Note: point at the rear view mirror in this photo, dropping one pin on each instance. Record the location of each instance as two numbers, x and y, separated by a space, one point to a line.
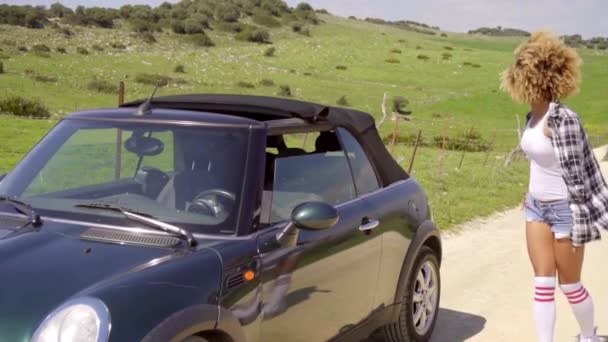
144 146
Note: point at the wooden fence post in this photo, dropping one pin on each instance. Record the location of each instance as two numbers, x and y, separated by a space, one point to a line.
443 145
409 169
121 93
118 162
395 132
490 148
465 148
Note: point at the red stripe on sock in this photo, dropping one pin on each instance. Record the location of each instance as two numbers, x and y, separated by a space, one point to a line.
580 299
575 293
544 300
545 288
543 294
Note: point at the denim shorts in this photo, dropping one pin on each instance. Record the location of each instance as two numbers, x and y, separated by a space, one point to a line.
556 214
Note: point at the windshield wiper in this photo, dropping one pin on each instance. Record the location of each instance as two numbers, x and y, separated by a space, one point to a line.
23 208
144 218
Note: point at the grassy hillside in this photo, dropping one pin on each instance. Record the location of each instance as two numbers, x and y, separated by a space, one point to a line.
342 57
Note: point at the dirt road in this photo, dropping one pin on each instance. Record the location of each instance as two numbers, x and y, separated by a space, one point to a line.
487 290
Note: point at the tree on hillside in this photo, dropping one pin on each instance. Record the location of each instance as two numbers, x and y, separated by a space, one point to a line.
60 11
227 13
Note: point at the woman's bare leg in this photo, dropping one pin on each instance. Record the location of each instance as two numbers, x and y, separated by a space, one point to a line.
541 251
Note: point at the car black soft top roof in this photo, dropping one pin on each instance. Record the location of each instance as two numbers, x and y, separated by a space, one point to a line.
263 108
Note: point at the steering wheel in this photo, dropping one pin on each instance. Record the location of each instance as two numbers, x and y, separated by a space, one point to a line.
213 202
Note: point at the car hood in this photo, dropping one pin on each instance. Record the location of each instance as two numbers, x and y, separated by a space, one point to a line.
40 269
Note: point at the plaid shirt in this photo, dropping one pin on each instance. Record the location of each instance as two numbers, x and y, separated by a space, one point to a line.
587 189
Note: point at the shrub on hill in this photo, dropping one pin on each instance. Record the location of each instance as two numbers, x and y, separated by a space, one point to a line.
20 106
22 49
392 60
399 105
304 6
255 35
147 37
118 46
227 13
178 26
102 86
66 32
471 141
192 26
40 48
61 49
423 57
343 101
82 51
200 40
97 48
179 69
446 56
60 11
153 79
1 68
244 84
267 20
267 83
42 78
341 67
285 91
270 52
395 51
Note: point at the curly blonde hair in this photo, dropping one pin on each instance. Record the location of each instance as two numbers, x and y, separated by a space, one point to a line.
545 69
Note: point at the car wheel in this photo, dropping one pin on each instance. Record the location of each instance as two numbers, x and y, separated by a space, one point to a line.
194 339
419 303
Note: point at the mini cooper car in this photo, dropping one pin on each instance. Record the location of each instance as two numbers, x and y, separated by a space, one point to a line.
215 218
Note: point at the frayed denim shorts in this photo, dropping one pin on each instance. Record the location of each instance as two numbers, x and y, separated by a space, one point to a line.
556 214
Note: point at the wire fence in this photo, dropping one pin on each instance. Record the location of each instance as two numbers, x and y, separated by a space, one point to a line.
462 143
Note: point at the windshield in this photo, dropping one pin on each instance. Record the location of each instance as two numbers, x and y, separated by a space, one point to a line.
185 175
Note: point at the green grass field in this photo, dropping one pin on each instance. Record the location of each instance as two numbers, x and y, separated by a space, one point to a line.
437 90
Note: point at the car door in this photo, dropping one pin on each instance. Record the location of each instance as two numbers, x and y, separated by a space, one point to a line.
324 285
396 208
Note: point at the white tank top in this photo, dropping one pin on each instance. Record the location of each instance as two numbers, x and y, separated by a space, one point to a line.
546 182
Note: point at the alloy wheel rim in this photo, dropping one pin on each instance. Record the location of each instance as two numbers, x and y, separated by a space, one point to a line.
424 298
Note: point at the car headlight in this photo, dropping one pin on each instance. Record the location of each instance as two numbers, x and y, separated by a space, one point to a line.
83 319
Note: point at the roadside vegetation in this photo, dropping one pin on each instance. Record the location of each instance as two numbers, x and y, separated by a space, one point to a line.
56 61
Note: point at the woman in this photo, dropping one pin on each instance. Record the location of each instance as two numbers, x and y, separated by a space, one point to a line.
568 198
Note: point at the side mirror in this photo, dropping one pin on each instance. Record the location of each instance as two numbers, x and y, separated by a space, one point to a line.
314 216
311 216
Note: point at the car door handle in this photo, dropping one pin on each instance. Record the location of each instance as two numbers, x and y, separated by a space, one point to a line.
368 225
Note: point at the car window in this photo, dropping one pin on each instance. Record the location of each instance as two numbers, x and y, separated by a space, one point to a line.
65 170
363 172
312 168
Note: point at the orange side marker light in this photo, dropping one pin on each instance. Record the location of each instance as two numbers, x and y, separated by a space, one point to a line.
249 275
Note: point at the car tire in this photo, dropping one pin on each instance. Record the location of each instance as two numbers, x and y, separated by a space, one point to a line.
418 300
194 339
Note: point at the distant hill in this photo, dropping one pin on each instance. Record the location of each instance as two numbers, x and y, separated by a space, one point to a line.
500 32
249 20
407 25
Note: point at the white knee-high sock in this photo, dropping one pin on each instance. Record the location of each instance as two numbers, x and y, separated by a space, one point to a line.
582 306
544 307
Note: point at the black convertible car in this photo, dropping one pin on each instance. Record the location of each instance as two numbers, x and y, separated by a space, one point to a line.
215 218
